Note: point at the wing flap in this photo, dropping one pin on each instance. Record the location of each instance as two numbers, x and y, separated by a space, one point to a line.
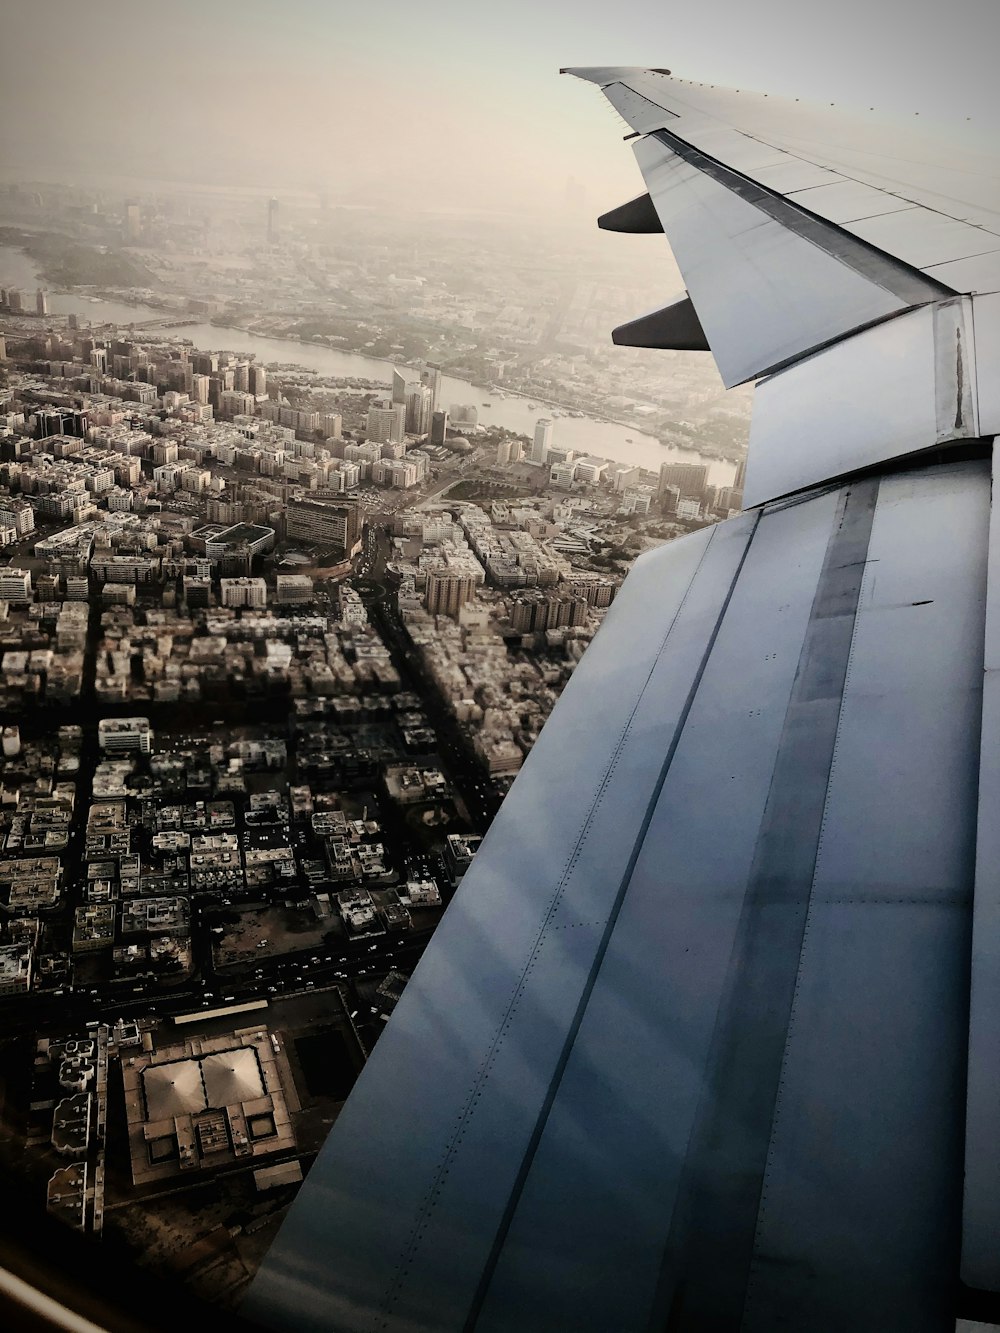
746 269
489 1009
540 1126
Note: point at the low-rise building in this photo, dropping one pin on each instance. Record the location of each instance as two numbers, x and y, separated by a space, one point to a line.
15 968
155 916
94 927
460 848
117 735
71 1125
203 1104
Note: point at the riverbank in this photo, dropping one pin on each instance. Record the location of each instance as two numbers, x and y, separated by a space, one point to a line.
619 442
496 391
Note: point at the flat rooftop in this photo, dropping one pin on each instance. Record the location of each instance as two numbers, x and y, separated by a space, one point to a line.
242 532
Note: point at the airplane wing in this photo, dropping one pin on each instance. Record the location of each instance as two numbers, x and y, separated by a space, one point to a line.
707 1038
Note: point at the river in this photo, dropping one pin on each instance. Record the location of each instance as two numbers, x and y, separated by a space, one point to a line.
587 435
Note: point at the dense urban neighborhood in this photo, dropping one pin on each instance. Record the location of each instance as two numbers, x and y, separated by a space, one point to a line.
275 642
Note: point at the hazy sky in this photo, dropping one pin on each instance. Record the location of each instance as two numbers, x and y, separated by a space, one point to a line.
446 101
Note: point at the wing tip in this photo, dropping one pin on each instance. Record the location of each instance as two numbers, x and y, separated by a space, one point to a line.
602 74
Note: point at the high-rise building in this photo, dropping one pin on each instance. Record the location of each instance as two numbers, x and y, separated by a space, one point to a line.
439 427
326 522
624 477
431 376
199 388
331 424
562 474
590 470
689 478
41 302
272 221
17 514
386 423
542 441
420 462
164 451
451 580
61 421
398 388
533 609
133 221
14 301
503 453
243 592
197 590
418 408
448 589
3 348
293 589
669 497
258 381
233 403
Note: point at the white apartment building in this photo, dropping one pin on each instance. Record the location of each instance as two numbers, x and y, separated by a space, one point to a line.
15 585
244 592
119 735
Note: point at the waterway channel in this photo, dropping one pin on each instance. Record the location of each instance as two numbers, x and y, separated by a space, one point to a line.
587 435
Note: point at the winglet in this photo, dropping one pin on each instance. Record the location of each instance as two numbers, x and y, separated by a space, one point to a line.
602 74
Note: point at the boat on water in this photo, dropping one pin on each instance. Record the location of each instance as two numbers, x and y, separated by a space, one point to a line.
487 404
628 439
532 407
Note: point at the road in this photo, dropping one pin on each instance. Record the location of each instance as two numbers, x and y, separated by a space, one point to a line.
460 766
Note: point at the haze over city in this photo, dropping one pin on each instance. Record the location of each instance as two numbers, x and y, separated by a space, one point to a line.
444 106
